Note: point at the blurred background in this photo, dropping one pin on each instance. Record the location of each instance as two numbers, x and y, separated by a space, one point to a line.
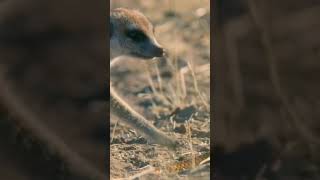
266 89
53 89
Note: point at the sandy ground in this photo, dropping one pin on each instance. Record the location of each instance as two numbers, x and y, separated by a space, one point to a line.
179 108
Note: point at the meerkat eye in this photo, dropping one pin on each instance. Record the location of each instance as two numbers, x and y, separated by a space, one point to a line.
136 35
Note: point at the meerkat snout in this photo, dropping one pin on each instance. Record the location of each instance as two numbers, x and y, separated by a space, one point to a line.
132 34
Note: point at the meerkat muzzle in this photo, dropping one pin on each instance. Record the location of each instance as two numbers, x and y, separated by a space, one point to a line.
159 52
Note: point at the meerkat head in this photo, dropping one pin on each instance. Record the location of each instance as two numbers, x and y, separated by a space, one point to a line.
132 34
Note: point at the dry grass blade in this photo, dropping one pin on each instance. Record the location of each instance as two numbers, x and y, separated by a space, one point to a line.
195 83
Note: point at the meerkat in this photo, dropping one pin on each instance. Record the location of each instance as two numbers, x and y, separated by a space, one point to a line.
132 34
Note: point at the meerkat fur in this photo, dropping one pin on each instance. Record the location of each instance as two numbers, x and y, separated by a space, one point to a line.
132 34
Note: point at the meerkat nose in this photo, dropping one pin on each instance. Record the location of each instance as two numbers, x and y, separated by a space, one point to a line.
162 52
165 53
159 52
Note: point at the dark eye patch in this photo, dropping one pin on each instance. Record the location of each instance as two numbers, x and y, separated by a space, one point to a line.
136 35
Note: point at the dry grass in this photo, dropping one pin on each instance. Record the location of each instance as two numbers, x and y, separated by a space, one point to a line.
174 92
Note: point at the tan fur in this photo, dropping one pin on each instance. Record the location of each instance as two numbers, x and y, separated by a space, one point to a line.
123 19
131 16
